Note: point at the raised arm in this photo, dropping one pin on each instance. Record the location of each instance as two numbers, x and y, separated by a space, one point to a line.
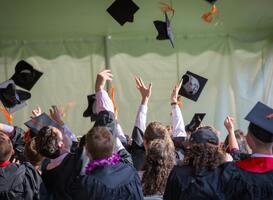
145 93
103 101
177 118
232 142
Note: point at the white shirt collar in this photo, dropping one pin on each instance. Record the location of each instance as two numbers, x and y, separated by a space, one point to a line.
259 155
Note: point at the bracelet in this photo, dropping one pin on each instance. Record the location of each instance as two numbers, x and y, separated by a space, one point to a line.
173 103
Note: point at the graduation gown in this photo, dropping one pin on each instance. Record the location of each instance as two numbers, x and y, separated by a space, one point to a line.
21 182
116 182
249 179
183 183
59 179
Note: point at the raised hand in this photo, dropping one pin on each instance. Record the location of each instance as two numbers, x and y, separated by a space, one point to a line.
174 95
144 91
102 77
36 111
55 114
229 124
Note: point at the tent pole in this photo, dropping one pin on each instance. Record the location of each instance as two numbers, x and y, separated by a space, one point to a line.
107 40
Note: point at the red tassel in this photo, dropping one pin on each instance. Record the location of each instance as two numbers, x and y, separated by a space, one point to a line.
208 17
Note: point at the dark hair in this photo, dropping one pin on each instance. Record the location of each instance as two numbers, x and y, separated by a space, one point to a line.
159 162
203 155
47 142
155 130
5 147
99 143
31 154
241 140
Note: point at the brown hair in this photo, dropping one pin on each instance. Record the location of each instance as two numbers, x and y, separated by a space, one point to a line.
31 154
5 147
159 162
155 130
99 143
203 155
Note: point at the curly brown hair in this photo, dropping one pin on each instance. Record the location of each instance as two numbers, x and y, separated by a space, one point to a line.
203 156
159 162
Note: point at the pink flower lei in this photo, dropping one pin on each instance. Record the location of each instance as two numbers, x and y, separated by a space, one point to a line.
112 160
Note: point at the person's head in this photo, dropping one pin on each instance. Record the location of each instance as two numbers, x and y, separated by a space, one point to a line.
203 151
50 142
259 140
99 143
31 154
6 149
160 160
155 130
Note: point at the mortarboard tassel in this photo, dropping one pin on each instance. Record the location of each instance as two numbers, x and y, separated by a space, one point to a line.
7 115
208 17
111 93
166 8
65 108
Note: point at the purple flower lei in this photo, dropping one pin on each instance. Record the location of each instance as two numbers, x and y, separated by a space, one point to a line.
112 160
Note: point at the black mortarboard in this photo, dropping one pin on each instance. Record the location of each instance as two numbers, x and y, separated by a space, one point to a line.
43 120
164 30
91 109
192 85
11 98
261 122
123 11
203 135
107 119
25 75
211 1
195 122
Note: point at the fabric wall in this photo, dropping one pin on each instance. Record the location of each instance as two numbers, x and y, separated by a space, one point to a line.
240 74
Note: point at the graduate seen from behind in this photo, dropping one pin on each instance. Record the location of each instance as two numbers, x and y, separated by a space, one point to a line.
196 177
252 178
107 176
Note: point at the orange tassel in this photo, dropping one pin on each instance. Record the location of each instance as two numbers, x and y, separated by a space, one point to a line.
7 115
111 93
208 17
166 8
65 108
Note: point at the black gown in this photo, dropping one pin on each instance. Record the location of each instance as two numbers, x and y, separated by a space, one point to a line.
249 179
21 182
183 183
59 179
116 182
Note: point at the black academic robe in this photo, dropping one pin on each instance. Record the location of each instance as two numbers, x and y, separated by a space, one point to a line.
21 182
249 179
183 183
18 144
59 179
116 182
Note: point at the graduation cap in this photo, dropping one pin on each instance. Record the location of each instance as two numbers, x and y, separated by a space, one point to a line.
91 109
195 122
11 98
43 120
164 30
123 11
25 75
192 85
203 135
211 1
261 122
